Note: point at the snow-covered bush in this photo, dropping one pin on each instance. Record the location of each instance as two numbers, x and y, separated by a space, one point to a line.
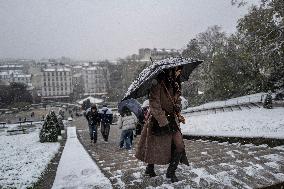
49 132
54 119
268 101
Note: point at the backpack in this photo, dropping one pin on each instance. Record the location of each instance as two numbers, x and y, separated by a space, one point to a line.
105 117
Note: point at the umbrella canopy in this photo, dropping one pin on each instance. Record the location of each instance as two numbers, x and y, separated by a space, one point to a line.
141 85
93 100
133 105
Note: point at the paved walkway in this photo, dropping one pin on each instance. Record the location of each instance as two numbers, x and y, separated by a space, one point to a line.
212 164
76 169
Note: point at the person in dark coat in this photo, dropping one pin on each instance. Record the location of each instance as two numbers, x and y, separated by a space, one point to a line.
106 116
93 119
161 139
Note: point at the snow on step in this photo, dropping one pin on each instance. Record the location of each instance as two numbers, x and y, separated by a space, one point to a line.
76 168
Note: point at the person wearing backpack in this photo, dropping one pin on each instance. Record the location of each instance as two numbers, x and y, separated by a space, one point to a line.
127 122
106 117
93 119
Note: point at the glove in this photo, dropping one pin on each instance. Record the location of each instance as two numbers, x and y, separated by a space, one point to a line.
181 119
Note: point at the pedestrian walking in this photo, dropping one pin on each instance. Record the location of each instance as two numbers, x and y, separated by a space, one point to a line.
126 122
93 119
106 116
161 139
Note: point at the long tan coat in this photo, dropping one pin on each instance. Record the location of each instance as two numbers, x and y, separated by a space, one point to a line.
154 149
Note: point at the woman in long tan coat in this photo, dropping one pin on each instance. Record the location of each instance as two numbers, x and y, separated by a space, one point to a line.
161 139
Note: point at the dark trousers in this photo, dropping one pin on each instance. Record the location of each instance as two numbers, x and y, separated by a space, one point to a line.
105 127
93 131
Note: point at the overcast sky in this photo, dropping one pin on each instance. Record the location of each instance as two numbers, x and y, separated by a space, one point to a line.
106 29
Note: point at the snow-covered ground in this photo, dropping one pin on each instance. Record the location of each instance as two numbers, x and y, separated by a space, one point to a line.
257 122
76 169
234 101
23 159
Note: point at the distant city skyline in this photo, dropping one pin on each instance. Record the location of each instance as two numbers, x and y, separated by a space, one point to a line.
97 30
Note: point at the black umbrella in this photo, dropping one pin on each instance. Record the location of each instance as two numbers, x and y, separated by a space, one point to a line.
142 84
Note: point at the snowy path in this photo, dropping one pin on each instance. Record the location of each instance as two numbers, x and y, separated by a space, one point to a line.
76 168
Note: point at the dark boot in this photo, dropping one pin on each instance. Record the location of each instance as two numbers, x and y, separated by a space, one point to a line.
171 171
150 170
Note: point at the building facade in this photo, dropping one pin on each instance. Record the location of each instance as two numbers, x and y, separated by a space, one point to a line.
157 54
56 83
15 75
95 79
12 67
22 78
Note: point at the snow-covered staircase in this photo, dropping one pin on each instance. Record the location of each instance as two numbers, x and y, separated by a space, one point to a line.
227 108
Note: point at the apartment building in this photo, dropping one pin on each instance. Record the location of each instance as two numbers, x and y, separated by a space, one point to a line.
15 75
95 79
157 54
56 83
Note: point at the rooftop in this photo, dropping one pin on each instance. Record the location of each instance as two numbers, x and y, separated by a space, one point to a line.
57 70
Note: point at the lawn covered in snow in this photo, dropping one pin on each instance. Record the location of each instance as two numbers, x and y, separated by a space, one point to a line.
23 159
257 122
